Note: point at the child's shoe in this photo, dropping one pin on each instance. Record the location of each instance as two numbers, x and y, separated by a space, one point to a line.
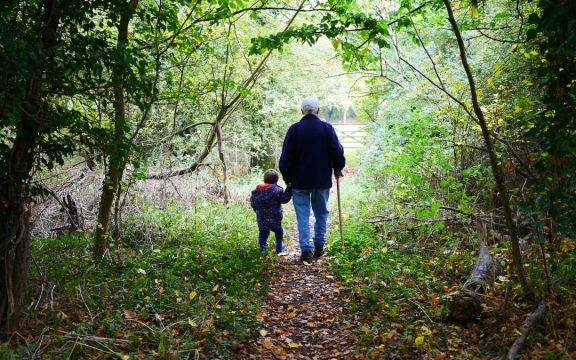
280 247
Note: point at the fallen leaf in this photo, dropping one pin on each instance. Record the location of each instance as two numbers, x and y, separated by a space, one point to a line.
419 340
129 314
192 295
267 343
61 315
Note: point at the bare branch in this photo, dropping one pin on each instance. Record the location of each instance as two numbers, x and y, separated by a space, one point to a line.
458 101
427 53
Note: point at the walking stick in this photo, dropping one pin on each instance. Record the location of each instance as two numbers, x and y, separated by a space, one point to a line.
339 210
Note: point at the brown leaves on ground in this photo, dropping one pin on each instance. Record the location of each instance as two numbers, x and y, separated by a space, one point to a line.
305 316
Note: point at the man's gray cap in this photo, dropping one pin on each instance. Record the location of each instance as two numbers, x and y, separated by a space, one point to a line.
309 104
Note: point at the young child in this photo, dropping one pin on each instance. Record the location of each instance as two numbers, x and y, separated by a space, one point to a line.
266 201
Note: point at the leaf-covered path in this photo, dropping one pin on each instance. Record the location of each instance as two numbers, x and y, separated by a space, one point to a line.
305 316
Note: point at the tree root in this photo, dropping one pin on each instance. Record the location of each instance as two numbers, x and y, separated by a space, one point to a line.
531 320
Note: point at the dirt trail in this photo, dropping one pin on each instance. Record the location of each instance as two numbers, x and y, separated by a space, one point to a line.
305 317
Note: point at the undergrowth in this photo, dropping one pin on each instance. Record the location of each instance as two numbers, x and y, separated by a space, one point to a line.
182 283
400 282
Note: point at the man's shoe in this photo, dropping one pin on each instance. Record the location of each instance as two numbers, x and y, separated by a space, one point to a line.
306 256
318 251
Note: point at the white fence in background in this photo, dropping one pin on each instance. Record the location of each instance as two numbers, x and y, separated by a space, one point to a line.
352 136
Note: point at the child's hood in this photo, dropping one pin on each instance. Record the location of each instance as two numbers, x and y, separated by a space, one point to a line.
264 186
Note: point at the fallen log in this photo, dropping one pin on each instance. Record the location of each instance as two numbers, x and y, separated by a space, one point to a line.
467 303
531 320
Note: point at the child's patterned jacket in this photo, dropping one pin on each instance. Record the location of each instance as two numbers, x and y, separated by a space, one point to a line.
266 201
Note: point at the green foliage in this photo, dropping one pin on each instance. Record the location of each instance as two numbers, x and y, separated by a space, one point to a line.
411 165
60 128
552 128
345 23
395 279
197 284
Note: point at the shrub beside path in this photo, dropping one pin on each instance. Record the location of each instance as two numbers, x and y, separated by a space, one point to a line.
305 316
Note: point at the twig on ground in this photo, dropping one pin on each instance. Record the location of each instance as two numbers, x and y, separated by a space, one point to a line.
73 348
84 302
107 350
98 339
421 309
379 219
432 229
39 297
52 297
39 344
143 324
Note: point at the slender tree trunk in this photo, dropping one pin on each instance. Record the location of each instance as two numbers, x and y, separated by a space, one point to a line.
223 160
118 149
14 187
497 172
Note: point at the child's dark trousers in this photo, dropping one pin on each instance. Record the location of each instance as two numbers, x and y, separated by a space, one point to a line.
263 239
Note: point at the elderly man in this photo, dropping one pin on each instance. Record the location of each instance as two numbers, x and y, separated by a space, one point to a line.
311 152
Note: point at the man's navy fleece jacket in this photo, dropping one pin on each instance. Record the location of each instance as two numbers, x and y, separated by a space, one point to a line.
310 152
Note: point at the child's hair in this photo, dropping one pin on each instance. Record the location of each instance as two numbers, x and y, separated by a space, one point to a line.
271 176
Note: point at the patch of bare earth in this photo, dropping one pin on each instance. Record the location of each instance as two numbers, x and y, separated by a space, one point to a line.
305 317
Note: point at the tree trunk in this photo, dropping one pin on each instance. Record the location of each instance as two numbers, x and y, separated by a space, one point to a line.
118 149
15 191
223 160
497 172
467 303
